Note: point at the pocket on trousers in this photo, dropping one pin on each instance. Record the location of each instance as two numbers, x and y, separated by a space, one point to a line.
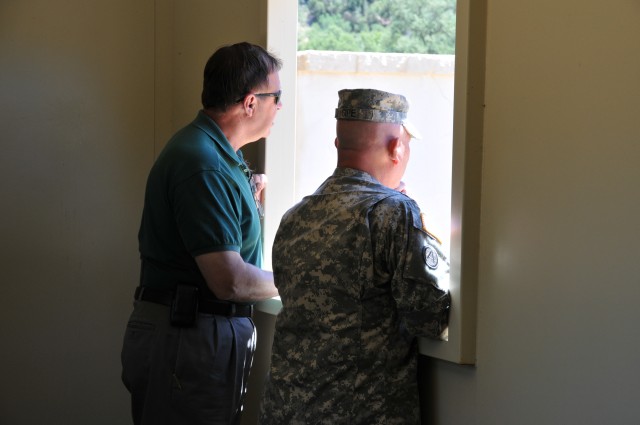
136 354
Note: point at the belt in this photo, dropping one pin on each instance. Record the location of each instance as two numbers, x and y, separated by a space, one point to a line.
219 308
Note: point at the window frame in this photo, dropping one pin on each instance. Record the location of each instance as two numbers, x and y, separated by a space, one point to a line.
282 16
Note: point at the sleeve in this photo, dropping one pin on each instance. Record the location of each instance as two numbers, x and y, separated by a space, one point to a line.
208 212
418 268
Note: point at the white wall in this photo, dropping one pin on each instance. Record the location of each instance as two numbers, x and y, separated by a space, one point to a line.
559 273
427 82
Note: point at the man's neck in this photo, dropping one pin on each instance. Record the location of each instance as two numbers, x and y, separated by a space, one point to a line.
230 125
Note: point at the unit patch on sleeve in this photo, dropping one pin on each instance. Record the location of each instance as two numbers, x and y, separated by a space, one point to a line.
430 257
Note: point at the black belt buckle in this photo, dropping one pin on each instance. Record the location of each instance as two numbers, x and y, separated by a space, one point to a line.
241 310
226 309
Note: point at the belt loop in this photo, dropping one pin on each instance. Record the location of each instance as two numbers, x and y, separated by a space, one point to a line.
233 310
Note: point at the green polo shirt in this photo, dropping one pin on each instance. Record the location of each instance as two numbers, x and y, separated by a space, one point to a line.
197 200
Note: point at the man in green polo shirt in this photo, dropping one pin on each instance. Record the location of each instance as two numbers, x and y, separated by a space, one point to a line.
189 342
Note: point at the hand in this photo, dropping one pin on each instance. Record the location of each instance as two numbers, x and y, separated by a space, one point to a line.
260 181
402 188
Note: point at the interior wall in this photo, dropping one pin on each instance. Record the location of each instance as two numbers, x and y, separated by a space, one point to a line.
559 286
76 112
85 102
89 94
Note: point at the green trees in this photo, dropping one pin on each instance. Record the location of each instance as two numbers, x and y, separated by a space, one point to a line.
395 26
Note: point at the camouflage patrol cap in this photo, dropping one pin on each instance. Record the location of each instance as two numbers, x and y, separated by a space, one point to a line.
375 106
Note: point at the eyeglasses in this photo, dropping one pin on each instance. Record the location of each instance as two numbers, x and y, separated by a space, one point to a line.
275 95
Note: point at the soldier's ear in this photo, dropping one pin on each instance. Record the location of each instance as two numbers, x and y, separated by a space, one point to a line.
395 149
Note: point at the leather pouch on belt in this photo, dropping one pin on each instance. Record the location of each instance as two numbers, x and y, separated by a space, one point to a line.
184 308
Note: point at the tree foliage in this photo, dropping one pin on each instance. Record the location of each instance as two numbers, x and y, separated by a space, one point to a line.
395 26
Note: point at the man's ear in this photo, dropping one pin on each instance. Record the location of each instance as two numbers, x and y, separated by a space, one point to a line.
395 149
249 104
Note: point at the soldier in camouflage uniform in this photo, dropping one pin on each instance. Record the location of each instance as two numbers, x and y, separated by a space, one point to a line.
359 281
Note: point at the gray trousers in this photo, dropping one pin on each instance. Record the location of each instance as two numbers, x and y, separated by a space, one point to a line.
193 376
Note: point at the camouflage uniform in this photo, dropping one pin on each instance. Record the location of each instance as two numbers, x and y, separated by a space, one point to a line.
358 277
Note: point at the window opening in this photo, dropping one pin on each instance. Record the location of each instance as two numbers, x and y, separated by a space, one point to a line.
308 108
404 47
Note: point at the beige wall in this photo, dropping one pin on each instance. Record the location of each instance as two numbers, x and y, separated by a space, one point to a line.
559 272
89 92
76 96
82 118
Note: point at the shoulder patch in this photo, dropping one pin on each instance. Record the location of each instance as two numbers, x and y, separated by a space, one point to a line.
430 257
